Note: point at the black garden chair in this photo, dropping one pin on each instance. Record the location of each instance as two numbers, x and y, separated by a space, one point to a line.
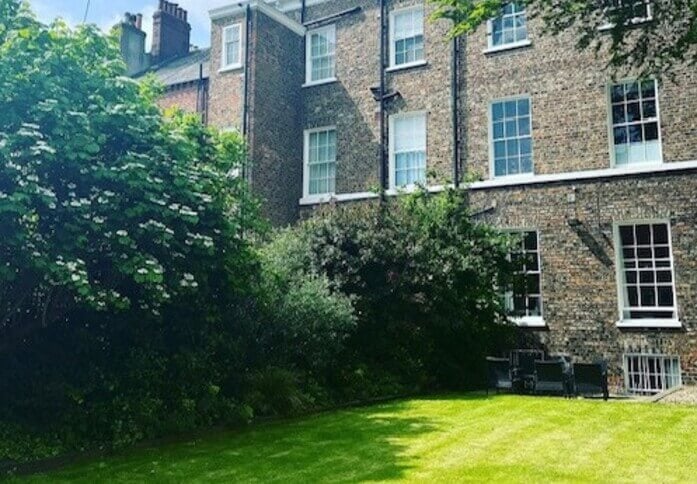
591 379
523 363
499 374
551 377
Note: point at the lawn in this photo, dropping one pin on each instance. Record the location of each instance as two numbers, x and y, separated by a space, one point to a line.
444 439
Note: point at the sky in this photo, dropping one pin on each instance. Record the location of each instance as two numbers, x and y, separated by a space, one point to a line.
106 13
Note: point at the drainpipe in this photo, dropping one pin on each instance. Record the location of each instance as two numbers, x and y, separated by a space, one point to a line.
246 173
454 95
383 128
245 93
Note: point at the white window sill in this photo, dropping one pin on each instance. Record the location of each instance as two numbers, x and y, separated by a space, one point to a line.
409 65
232 67
635 21
320 83
505 47
395 191
640 169
530 322
649 323
515 178
635 166
340 197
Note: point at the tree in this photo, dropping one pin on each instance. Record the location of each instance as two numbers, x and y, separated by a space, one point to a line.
424 281
104 202
649 36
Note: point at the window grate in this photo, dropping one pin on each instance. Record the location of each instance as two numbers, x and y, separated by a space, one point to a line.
648 374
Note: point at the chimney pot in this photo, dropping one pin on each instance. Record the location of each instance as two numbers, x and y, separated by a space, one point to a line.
162 5
139 21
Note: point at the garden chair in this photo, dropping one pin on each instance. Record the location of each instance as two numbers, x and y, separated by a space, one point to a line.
499 373
591 379
551 377
524 368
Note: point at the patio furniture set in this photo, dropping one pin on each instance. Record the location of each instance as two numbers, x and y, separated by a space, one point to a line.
531 371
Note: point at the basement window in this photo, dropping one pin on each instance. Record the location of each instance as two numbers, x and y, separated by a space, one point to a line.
320 161
646 276
407 150
320 57
407 37
648 374
636 136
232 47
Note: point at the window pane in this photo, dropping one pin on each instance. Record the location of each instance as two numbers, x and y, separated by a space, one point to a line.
321 161
513 142
510 26
634 127
408 39
523 298
648 284
409 147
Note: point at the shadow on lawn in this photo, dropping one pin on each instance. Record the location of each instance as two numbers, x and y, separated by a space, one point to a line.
362 444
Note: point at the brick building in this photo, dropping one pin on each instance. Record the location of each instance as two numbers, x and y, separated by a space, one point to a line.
182 70
340 97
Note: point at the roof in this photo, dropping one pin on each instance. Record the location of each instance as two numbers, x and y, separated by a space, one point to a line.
183 69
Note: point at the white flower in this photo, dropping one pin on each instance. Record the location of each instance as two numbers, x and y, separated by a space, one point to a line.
122 233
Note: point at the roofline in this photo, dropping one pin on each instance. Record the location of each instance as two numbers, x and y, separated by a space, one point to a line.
261 6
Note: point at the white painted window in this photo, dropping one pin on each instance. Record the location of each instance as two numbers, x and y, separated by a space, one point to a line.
320 161
646 374
524 299
511 137
645 274
232 47
510 28
636 136
407 36
634 11
320 54
407 149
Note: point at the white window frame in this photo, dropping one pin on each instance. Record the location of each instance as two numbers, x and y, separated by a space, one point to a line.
331 31
306 162
530 321
393 54
492 157
224 66
642 361
619 277
392 148
611 125
511 45
635 20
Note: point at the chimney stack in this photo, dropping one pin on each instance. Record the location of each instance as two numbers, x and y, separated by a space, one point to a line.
133 43
171 32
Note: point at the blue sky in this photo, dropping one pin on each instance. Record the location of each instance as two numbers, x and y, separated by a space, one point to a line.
106 13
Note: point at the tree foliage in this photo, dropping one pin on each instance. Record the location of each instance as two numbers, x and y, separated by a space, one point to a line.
103 202
651 46
423 279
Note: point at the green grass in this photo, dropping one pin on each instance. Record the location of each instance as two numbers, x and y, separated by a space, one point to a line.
446 439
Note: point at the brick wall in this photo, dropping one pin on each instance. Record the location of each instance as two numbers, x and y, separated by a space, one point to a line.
349 105
226 88
185 98
579 287
276 137
568 89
